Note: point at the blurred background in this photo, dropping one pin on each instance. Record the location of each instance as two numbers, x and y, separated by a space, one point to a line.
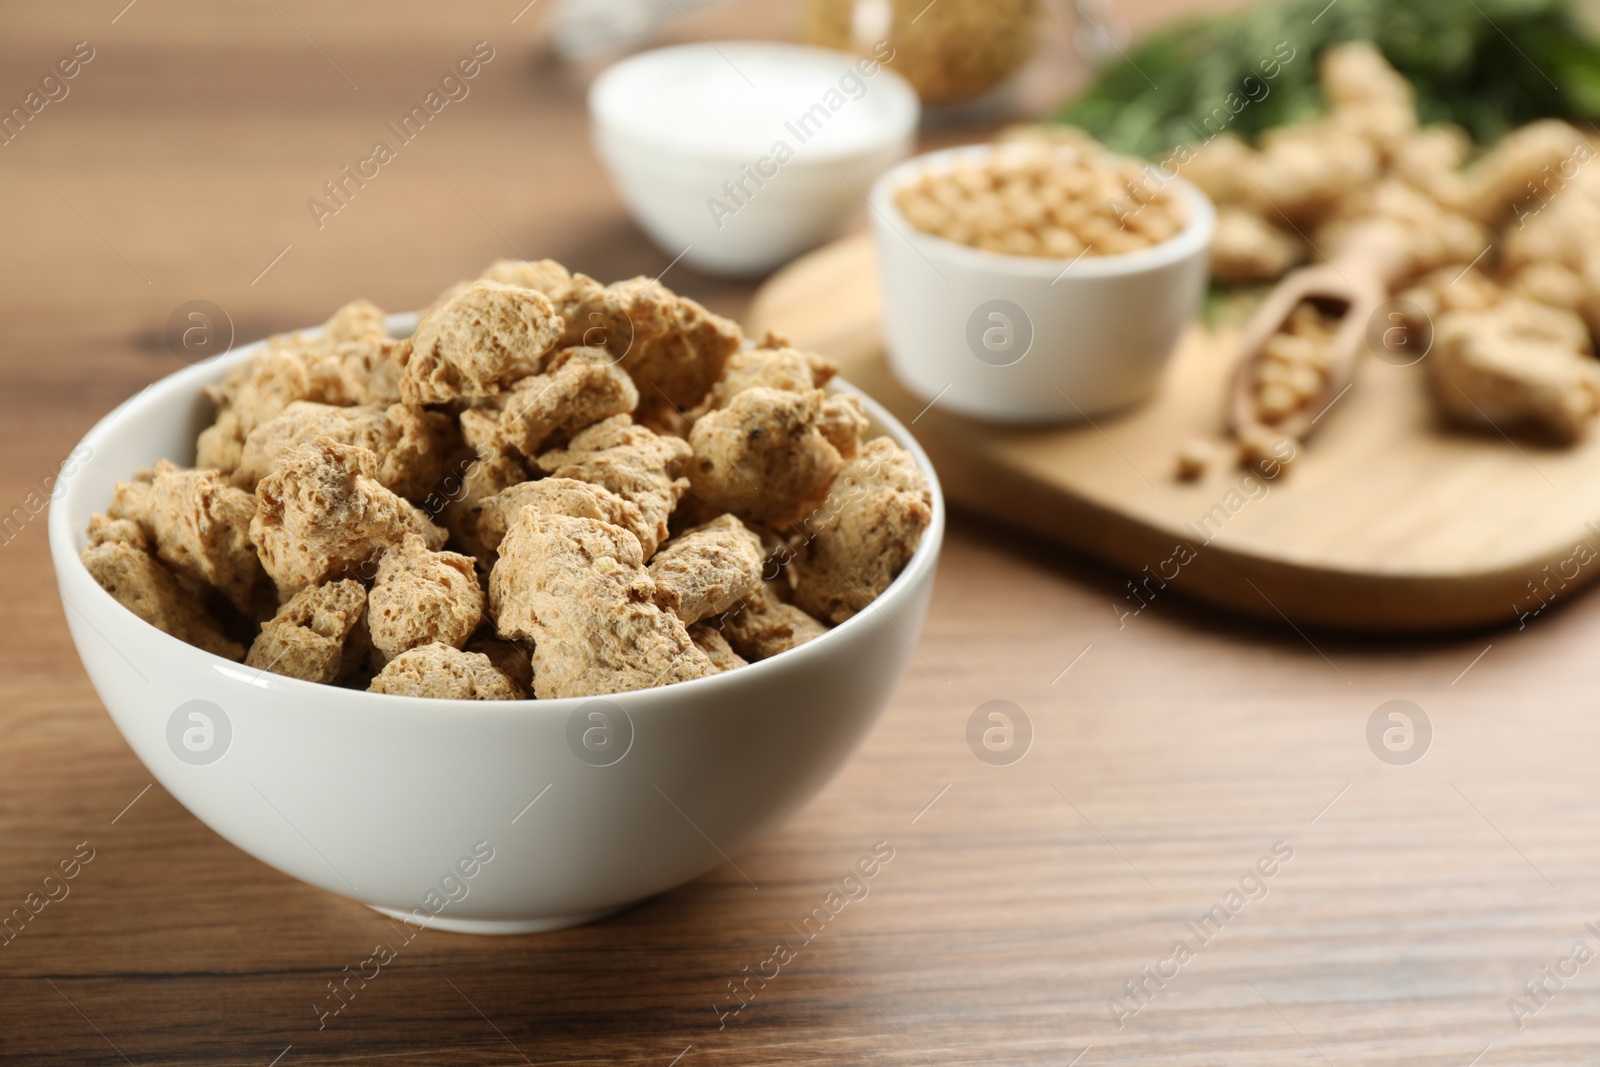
180 164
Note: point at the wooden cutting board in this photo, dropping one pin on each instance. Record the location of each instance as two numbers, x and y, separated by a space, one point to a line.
1388 522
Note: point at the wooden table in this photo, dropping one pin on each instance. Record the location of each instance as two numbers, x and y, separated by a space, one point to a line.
1169 754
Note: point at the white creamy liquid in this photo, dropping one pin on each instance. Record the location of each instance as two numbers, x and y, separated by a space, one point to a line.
740 101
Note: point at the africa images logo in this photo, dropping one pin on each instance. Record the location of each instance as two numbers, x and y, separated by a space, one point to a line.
199 732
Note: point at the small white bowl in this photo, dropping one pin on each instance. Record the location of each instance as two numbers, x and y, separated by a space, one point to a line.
675 124
390 800
1023 339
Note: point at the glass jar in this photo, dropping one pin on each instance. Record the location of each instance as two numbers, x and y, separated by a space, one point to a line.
951 51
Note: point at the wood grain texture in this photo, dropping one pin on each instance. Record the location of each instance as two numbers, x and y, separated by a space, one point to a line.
1388 522
1167 754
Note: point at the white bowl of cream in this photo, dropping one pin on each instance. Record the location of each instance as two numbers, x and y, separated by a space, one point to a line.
738 156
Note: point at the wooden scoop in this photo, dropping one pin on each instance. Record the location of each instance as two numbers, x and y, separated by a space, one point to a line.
1350 284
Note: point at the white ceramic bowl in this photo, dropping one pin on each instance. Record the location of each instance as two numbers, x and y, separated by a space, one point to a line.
379 798
673 125
1024 339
